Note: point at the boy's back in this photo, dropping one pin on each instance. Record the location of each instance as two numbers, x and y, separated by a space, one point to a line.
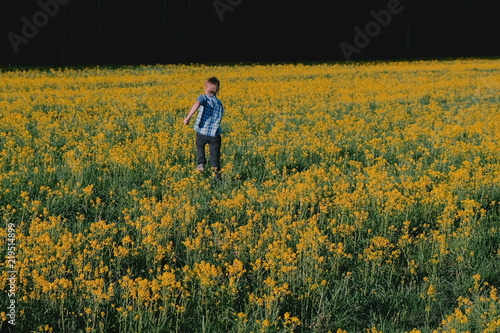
210 114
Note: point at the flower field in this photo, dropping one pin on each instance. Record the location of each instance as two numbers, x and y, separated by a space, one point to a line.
357 197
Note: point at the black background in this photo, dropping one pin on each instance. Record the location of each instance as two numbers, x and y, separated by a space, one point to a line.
86 32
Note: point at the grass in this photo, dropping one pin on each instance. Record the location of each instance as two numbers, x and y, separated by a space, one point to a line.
360 197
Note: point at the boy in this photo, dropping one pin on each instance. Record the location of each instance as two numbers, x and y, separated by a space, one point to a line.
207 125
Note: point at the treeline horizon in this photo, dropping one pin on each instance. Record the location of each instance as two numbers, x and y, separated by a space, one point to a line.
78 32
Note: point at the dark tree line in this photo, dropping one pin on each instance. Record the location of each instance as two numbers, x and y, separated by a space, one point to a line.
71 32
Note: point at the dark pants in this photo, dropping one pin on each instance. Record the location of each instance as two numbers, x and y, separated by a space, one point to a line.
214 144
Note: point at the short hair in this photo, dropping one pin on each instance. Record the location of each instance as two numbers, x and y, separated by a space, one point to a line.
213 84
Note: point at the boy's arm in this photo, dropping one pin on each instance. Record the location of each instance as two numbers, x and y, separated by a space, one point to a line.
195 107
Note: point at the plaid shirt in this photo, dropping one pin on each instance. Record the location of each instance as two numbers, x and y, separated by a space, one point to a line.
209 116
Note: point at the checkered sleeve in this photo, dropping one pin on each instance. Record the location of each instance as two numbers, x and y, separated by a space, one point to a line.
203 100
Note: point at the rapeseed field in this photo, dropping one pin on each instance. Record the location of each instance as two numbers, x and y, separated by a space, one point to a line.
358 197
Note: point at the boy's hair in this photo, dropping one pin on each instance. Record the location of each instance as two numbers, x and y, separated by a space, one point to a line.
213 85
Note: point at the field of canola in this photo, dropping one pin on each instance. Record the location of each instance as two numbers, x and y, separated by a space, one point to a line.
354 198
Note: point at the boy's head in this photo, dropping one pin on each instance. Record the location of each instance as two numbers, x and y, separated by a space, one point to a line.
212 86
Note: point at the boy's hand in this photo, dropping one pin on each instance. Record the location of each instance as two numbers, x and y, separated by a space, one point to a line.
186 121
